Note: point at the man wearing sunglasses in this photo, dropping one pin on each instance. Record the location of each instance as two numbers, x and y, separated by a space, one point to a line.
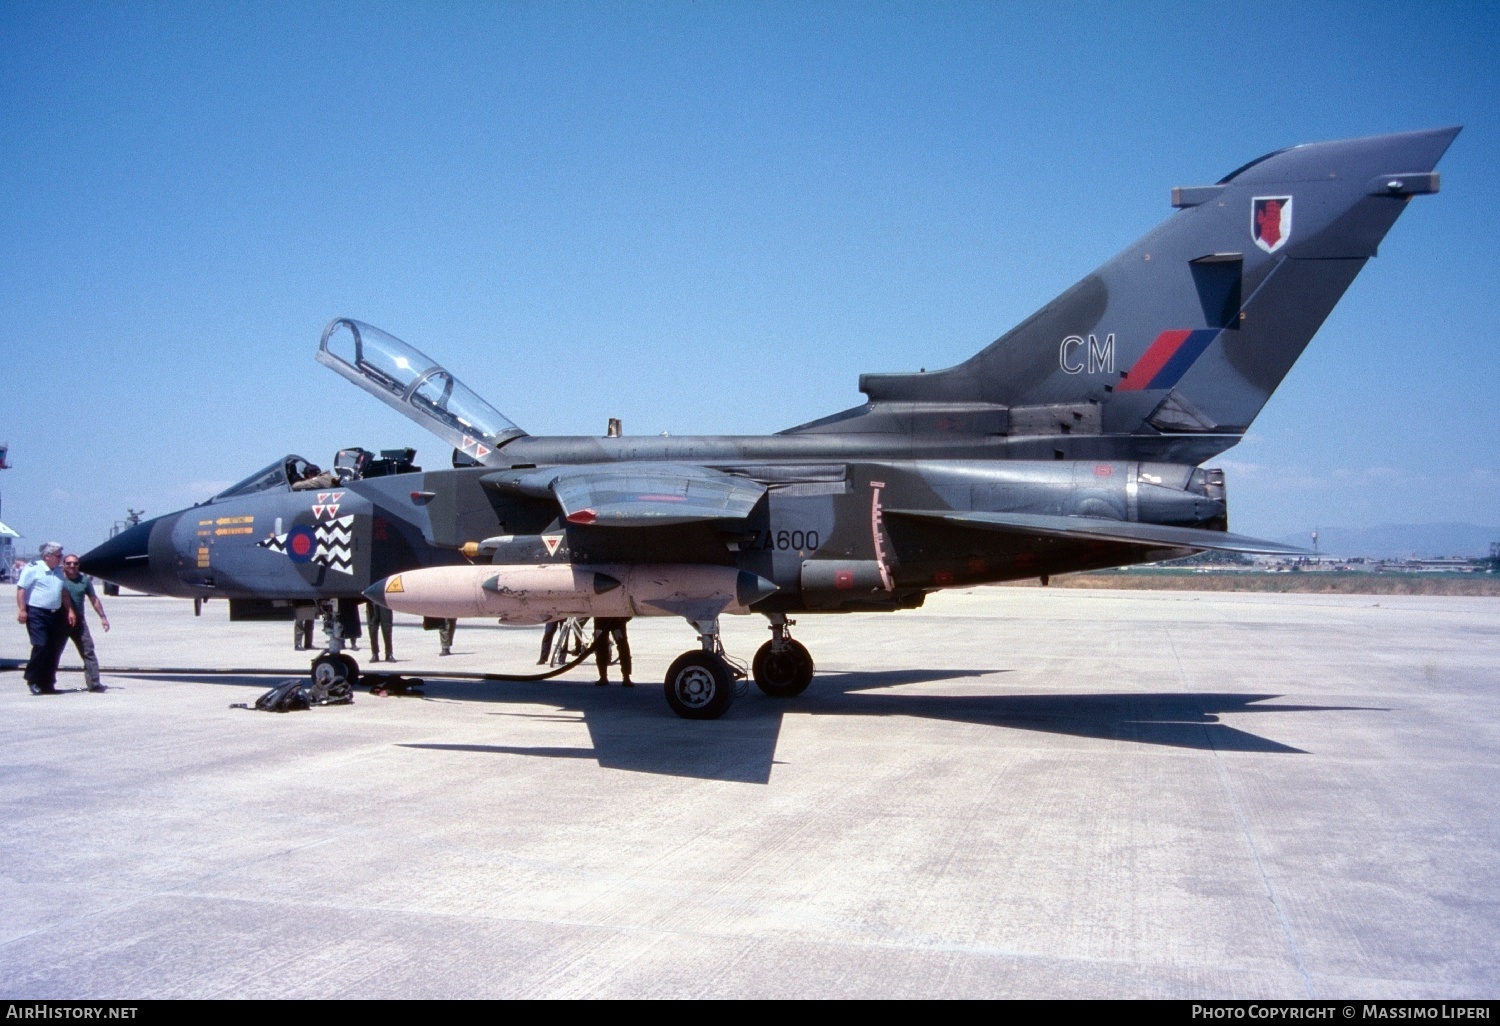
42 604
80 586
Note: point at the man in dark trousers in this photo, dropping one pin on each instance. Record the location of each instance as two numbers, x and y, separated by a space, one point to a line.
42 604
81 593
606 627
378 620
348 612
302 634
548 633
445 629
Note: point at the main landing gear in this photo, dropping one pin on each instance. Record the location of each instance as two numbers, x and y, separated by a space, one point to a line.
334 672
703 684
783 668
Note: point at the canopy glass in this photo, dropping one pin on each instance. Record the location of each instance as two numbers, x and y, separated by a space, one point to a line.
413 383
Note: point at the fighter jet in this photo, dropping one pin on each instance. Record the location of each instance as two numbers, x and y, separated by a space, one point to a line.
1073 442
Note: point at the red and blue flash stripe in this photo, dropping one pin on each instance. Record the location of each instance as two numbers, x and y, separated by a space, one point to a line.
1167 359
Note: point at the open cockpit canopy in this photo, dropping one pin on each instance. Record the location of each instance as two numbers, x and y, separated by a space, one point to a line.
414 384
278 475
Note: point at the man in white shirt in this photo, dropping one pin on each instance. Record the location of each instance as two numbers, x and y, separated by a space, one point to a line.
42 604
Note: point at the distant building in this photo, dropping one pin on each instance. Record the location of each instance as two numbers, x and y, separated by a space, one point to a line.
7 553
1448 563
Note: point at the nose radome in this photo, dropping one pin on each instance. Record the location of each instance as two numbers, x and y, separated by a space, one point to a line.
125 559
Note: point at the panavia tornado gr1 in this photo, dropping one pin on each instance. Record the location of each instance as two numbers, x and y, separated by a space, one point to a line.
1074 442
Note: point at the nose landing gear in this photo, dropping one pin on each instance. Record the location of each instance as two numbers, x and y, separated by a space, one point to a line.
334 671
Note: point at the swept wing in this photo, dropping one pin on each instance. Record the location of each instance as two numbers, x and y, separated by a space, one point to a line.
635 494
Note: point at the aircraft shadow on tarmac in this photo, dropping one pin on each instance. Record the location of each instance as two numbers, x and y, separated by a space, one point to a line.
634 730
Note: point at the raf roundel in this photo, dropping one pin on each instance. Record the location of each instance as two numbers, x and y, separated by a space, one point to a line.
301 544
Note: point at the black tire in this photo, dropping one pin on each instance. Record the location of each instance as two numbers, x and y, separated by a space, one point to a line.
699 686
783 674
328 668
351 668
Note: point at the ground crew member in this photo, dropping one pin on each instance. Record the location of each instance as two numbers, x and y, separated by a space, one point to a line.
606 627
348 614
80 586
445 629
379 620
548 633
302 634
42 604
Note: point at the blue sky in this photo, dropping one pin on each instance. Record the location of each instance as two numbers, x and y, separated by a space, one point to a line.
698 217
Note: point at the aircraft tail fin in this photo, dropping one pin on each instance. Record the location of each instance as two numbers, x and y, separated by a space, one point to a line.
1191 328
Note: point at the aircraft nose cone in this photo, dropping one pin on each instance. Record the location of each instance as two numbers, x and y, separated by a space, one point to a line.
751 588
376 592
124 560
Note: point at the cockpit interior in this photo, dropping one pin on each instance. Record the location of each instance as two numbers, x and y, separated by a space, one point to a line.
351 464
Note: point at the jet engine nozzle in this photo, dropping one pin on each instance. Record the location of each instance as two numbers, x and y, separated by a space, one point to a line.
1176 494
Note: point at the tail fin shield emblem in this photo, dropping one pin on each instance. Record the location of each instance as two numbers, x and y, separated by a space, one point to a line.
1271 221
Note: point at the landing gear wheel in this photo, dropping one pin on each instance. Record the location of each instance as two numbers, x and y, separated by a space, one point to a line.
699 686
328 669
783 674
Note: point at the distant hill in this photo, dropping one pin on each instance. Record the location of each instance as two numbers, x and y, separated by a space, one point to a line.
1395 541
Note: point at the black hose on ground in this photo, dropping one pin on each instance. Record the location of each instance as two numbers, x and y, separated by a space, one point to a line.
242 671
525 677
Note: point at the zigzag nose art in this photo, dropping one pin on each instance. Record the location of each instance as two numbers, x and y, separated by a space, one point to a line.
329 543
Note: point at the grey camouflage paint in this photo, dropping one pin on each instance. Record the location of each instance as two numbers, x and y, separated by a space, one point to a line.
1010 465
